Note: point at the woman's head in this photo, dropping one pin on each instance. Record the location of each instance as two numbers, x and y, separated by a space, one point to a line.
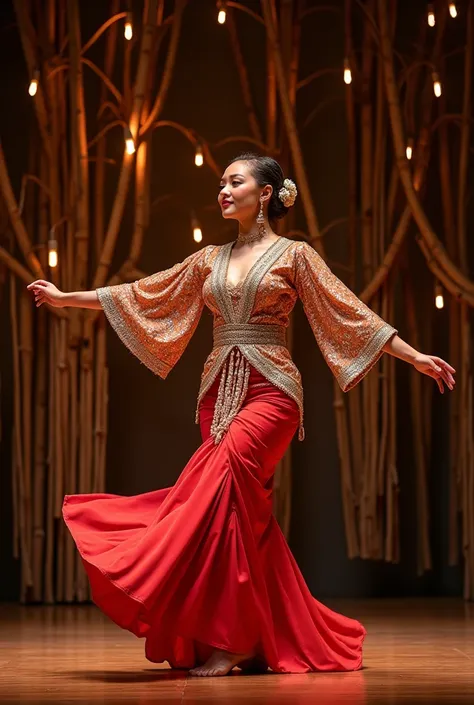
248 180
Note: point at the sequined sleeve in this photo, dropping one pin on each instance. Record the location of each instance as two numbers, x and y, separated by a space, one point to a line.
156 316
350 335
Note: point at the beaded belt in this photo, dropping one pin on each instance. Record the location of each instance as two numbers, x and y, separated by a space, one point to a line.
235 373
249 334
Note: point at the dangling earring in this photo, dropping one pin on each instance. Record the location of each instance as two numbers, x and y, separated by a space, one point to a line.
261 221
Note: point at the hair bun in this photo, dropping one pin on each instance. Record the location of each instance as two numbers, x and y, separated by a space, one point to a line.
287 194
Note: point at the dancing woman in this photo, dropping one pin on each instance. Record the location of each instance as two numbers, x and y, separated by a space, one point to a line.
201 569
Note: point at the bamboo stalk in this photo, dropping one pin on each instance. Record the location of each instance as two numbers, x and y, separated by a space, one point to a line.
167 73
424 552
291 129
366 148
79 151
28 40
243 77
26 572
49 552
109 61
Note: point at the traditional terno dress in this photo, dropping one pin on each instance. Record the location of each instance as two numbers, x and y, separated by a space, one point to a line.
203 563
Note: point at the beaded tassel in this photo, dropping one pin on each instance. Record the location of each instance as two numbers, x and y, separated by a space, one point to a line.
233 387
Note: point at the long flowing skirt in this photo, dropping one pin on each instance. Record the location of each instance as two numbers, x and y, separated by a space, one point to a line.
204 564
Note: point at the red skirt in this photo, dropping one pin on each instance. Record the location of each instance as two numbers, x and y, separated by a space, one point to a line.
204 563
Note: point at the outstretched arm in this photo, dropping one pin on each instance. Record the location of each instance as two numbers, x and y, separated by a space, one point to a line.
430 365
47 293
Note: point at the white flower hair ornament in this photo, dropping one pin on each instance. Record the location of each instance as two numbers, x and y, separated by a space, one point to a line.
287 194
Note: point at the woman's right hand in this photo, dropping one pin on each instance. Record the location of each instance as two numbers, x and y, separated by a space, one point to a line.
46 293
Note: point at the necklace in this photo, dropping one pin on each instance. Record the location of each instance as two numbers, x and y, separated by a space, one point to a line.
251 236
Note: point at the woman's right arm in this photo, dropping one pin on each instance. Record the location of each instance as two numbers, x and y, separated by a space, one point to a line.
47 293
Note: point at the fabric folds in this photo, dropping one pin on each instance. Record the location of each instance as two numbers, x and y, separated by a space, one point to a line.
204 563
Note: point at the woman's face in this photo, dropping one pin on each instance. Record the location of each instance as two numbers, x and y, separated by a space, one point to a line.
239 193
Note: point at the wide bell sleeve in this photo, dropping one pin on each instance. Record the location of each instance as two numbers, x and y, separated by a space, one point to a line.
156 316
349 334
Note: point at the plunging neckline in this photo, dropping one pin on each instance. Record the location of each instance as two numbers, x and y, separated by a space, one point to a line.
242 283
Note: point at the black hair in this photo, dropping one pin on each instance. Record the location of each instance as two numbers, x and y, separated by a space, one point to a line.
266 170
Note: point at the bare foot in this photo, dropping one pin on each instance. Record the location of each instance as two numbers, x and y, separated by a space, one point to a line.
220 663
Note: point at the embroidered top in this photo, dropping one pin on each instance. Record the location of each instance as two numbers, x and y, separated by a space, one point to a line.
156 316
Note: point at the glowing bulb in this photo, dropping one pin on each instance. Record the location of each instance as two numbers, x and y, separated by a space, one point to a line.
199 157
347 72
436 84
52 253
128 29
452 10
129 143
33 87
439 298
221 17
431 16
409 149
197 231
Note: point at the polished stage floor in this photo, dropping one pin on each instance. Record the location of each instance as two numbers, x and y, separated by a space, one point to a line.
417 651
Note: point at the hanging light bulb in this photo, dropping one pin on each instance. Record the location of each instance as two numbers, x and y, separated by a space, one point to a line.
431 15
128 28
33 87
199 157
197 231
129 143
53 253
347 72
409 150
221 17
436 84
439 298
452 10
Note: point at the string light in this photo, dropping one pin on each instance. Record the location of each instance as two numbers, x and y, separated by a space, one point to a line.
129 143
439 298
53 253
199 157
436 84
33 87
452 10
347 72
431 16
128 29
197 231
222 16
409 150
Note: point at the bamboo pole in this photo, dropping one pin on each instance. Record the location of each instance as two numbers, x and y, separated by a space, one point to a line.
243 77
23 492
28 40
109 61
291 129
167 73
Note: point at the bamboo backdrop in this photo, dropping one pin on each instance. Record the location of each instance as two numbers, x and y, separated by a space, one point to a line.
60 366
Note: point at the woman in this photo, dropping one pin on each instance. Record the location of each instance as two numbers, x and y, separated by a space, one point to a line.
202 569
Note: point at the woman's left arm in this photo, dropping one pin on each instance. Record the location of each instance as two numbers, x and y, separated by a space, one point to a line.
430 365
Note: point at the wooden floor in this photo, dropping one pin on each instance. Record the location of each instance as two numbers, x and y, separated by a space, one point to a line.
416 652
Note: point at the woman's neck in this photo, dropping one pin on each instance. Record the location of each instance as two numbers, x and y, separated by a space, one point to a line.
253 232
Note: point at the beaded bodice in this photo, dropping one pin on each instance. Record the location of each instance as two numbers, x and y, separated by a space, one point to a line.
156 316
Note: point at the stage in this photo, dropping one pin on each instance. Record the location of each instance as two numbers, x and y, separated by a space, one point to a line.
416 651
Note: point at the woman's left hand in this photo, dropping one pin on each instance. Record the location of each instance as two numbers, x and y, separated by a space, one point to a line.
436 368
